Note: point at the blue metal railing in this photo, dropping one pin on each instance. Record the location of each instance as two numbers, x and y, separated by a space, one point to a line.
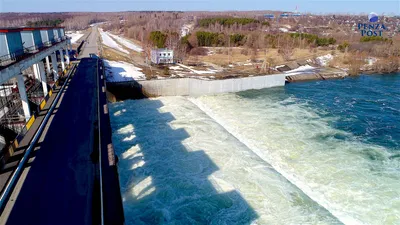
15 56
17 172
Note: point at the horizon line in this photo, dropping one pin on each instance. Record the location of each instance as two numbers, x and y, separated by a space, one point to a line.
184 11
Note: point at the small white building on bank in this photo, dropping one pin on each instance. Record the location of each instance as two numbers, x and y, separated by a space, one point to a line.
162 56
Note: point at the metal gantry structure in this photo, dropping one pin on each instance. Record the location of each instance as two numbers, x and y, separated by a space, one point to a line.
31 61
107 206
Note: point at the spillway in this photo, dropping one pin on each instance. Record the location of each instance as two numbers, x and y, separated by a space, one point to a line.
256 157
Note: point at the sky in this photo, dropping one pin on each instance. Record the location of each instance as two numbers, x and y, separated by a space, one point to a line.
388 7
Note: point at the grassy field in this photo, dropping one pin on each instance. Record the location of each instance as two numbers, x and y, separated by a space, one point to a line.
114 55
220 55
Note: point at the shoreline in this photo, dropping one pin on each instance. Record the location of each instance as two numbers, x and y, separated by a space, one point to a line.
120 91
331 76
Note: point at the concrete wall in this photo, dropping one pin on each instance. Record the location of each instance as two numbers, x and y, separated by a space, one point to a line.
196 87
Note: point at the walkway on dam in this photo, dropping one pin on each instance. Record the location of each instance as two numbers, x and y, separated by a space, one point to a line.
57 187
60 184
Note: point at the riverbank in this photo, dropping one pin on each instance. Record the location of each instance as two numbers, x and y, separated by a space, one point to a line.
138 89
325 65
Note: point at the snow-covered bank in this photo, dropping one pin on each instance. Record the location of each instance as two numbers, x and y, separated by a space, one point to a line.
127 43
74 35
107 40
301 70
324 60
209 71
122 71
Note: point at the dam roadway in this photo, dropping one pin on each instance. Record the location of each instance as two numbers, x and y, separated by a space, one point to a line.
61 182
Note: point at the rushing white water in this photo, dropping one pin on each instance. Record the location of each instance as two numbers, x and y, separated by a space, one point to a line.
358 183
179 166
229 159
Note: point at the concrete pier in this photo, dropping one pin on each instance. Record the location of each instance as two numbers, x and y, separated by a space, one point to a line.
24 97
48 65
55 65
43 78
62 60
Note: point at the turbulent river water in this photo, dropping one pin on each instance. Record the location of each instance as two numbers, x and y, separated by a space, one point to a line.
324 152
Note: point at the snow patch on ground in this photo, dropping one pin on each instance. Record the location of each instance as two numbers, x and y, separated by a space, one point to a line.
186 28
301 70
107 40
74 35
175 68
127 43
209 71
371 61
324 60
96 24
122 71
283 30
280 66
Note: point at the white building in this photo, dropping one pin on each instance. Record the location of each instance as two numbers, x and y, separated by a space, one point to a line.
162 56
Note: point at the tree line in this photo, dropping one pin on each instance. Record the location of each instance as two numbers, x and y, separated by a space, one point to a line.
45 23
228 21
158 38
208 39
314 39
374 38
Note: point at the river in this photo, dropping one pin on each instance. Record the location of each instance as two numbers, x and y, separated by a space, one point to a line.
323 152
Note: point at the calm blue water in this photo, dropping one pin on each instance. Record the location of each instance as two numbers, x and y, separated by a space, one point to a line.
367 106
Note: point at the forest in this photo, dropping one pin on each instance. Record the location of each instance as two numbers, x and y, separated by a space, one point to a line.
45 23
226 21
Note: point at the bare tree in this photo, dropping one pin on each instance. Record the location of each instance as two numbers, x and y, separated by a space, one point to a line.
286 50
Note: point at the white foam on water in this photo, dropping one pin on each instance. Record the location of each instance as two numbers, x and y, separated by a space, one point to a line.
357 182
178 166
